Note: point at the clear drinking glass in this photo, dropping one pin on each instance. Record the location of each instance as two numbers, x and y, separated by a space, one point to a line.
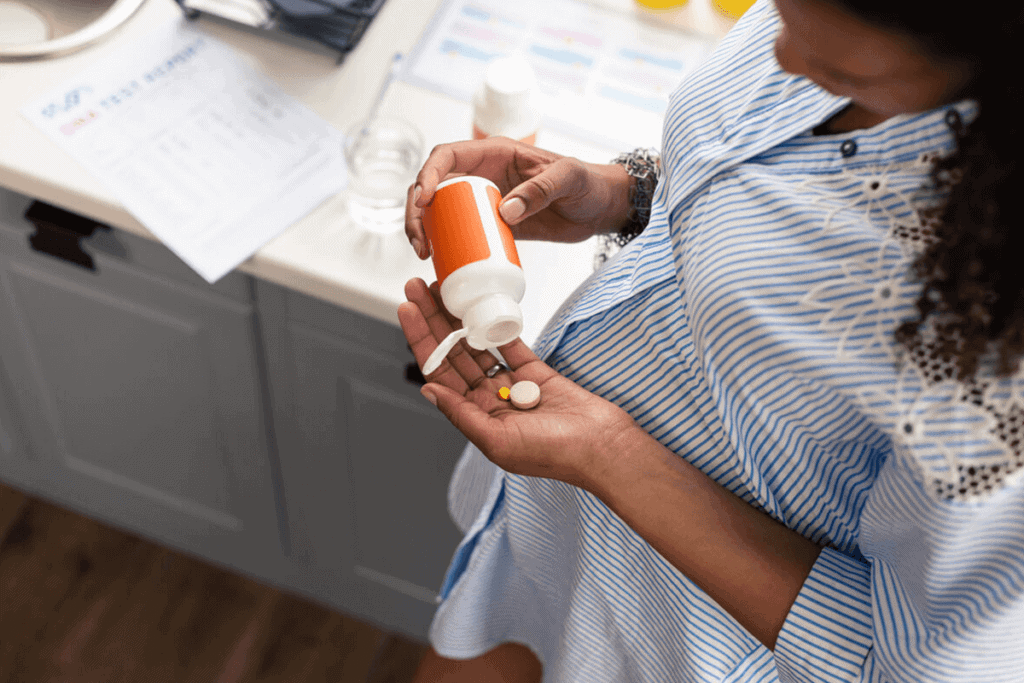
383 157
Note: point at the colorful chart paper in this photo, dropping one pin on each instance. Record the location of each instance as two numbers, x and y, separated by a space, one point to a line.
604 75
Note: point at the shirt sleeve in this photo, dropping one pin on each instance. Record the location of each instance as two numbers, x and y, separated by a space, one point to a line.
939 596
828 633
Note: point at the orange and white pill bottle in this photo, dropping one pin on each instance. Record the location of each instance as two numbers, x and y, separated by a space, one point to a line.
476 263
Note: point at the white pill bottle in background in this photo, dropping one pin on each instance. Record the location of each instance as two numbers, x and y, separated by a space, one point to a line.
506 103
476 263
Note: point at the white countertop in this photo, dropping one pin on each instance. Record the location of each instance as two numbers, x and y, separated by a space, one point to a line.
318 255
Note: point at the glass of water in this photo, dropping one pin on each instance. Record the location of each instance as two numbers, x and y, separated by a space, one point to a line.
383 157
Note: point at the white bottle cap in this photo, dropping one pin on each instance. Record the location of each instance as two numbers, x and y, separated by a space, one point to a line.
506 102
493 321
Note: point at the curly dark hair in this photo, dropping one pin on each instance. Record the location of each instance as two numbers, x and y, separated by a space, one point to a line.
973 275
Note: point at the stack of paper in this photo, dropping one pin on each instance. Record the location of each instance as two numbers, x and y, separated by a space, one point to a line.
209 155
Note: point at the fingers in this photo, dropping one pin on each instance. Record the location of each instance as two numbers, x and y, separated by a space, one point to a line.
461 158
565 177
530 177
468 417
427 324
444 160
485 360
440 324
525 363
422 342
435 292
414 223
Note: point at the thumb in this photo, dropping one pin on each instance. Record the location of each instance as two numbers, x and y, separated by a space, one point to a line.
563 178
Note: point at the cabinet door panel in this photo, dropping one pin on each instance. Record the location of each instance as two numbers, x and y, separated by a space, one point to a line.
402 454
365 460
18 464
131 402
142 396
315 464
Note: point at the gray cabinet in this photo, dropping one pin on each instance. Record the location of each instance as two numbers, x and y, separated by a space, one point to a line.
241 422
365 460
18 463
139 390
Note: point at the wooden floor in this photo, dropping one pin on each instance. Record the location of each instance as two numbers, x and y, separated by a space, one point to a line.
83 603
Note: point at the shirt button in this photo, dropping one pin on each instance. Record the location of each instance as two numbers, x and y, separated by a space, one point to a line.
848 148
953 119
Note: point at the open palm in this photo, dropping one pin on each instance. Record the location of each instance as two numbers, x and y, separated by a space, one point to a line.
562 438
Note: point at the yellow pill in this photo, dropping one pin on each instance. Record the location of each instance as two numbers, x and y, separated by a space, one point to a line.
504 393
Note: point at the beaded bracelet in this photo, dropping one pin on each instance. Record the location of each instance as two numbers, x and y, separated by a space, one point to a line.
645 165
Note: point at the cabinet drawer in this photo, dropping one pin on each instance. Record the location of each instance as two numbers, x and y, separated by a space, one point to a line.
108 246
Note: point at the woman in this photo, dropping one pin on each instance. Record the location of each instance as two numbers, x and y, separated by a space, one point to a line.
778 436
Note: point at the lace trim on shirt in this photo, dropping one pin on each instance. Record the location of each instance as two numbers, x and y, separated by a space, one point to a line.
966 438
994 457
873 288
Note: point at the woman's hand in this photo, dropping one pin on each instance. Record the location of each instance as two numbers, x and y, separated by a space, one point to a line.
546 196
569 436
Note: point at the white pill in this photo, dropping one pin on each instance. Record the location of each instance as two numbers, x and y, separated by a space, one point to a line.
525 395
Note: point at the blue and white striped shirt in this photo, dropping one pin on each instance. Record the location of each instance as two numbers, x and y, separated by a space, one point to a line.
749 329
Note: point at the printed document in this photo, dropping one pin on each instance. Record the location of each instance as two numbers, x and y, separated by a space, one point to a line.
603 75
207 153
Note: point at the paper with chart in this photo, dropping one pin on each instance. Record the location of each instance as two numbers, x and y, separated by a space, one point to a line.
604 75
209 155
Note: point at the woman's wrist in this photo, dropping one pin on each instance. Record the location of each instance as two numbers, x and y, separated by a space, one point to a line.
609 455
618 192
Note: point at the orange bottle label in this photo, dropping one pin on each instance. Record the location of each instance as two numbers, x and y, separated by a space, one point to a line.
454 214
511 253
463 226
